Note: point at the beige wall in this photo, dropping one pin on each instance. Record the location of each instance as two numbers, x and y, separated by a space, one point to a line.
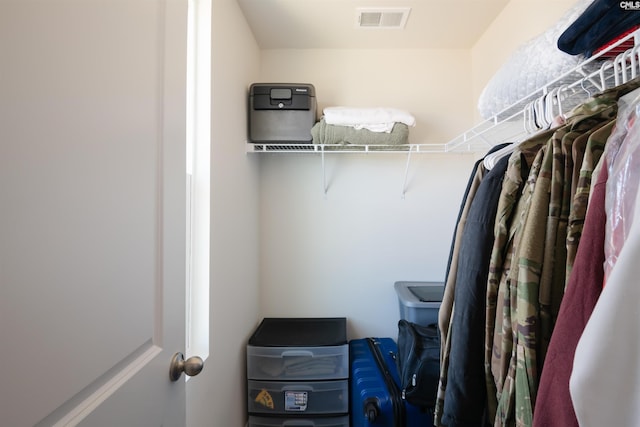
434 85
519 22
339 253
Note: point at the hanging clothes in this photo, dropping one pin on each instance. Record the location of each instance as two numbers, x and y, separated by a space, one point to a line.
624 162
553 406
479 171
515 176
520 357
616 309
446 306
582 188
554 253
504 362
606 361
464 403
526 273
516 245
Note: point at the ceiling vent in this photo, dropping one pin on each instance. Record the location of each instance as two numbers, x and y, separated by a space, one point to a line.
383 18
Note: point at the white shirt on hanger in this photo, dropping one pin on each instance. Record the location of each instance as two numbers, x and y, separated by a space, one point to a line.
605 380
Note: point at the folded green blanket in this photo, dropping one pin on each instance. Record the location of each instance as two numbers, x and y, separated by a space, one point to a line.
347 136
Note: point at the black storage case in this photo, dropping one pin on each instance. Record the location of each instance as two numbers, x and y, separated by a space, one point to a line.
300 332
281 113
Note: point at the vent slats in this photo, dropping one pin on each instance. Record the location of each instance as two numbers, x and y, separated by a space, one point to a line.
384 18
370 19
391 19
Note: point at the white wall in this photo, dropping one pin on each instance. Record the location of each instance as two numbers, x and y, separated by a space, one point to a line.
217 397
339 254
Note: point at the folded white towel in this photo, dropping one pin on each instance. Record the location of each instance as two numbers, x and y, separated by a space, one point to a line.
374 119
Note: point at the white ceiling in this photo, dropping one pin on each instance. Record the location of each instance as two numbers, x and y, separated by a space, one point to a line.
331 24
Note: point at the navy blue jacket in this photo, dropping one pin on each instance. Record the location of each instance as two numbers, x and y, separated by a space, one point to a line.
600 23
465 393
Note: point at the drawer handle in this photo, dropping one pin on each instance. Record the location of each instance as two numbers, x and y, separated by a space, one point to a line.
297 353
298 423
301 387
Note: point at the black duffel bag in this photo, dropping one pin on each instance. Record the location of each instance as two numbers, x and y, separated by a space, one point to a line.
419 363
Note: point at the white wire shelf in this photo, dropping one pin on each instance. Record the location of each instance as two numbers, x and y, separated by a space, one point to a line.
361 149
323 149
513 123
592 76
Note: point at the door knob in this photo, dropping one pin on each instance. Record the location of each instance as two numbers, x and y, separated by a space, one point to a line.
191 367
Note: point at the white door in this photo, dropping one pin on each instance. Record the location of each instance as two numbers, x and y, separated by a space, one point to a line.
92 212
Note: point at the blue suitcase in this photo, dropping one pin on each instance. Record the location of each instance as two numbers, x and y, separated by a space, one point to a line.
375 396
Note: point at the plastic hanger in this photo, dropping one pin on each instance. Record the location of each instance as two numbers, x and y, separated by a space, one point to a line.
541 115
561 89
619 68
582 81
526 113
528 118
635 61
606 65
549 100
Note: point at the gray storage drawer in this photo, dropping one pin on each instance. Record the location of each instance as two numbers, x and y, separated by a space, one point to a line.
290 398
298 363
